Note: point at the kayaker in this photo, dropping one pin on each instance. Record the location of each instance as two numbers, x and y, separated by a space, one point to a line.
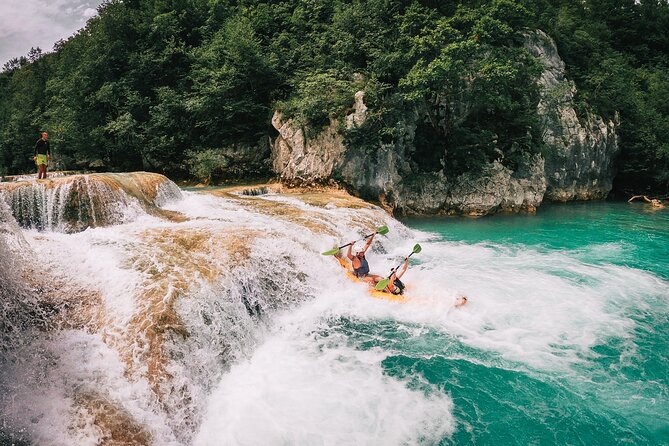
356 255
395 285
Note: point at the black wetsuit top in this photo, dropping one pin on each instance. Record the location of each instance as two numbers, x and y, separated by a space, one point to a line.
42 147
364 268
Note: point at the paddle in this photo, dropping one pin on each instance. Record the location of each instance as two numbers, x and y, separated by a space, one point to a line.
383 230
384 283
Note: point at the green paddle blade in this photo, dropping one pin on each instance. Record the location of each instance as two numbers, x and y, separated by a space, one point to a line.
383 230
417 249
331 252
382 284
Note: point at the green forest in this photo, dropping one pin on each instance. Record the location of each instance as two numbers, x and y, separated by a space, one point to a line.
166 85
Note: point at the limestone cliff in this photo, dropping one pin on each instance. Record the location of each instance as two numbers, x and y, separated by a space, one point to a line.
299 160
580 152
575 164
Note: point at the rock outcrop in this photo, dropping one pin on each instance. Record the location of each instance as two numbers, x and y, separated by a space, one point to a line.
576 165
387 175
581 152
496 189
301 160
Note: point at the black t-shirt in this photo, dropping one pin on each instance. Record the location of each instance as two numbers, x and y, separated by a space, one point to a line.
42 147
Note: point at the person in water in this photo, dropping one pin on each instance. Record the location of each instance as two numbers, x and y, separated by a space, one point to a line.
656 203
360 265
460 301
395 285
42 155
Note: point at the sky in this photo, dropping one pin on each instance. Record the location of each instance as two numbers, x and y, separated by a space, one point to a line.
40 23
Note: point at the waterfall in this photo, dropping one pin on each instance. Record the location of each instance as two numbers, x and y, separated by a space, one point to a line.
14 300
74 203
22 315
214 319
150 313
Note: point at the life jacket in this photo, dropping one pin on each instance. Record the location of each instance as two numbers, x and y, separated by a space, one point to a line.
364 267
399 286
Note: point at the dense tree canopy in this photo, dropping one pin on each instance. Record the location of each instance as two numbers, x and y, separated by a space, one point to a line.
151 84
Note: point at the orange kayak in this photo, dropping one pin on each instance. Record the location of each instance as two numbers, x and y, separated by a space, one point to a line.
376 294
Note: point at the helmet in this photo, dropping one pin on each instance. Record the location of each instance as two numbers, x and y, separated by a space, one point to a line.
357 249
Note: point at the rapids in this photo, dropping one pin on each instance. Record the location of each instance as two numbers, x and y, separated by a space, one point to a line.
210 317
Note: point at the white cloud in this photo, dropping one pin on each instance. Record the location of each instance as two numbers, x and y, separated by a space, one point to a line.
40 23
89 12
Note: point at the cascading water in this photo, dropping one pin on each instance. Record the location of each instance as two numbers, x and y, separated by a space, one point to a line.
21 314
15 305
215 320
74 203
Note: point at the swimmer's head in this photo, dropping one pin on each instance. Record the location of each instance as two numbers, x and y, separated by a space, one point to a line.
460 301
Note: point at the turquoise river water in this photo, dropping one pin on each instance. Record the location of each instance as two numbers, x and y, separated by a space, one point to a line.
564 340
566 336
616 391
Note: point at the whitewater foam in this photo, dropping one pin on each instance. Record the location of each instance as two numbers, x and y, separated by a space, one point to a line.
305 385
58 372
248 345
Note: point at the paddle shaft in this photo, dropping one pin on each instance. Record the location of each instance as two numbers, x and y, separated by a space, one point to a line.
364 238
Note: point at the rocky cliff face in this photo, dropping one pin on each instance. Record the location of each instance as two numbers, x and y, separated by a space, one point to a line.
496 189
580 157
576 165
299 160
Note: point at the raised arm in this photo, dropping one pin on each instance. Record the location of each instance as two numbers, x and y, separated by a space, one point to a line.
404 268
369 242
348 252
645 198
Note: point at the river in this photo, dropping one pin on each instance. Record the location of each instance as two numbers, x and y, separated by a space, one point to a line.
263 341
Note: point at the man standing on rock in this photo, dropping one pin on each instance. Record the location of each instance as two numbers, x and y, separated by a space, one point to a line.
42 155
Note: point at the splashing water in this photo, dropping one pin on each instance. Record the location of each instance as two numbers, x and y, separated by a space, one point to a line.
223 324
